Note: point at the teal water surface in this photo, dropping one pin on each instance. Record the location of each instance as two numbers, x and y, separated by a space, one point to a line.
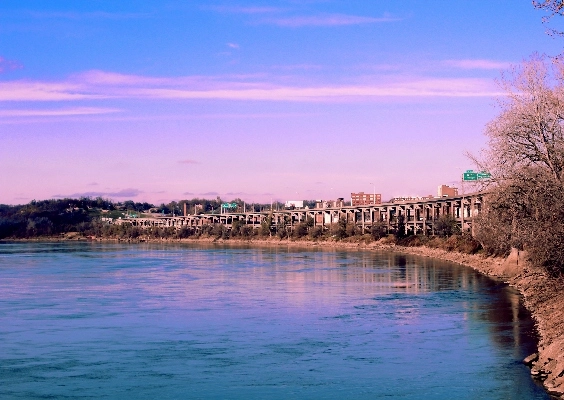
147 321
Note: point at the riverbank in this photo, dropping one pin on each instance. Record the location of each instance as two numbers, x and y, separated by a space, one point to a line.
543 295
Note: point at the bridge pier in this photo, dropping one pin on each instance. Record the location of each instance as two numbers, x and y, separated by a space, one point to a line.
420 217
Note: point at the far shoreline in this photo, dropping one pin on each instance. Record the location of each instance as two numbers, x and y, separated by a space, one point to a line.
541 293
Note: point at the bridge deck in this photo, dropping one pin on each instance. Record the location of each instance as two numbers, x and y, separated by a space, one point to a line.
418 217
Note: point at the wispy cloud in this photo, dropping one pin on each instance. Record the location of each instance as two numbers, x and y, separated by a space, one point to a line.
124 193
477 64
300 20
58 112
24 90
414 88
100 85
233 45
97 77
210 194
293 67
244 10
188 162
326 20
102 79
9 65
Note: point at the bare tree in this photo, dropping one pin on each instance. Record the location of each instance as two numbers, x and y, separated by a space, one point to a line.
555 7
529 131
525 154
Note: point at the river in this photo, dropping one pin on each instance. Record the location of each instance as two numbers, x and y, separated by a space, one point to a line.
190 321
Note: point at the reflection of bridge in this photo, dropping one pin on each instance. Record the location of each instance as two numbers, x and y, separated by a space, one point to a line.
419 216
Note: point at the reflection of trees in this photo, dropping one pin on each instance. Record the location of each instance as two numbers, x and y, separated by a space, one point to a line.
299 276
509 323
496 304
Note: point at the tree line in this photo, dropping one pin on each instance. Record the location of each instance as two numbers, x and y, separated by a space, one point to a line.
88 217
85 215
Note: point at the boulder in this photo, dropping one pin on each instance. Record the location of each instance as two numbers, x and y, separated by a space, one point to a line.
529 360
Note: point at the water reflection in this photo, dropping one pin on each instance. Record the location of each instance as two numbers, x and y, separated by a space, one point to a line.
271 322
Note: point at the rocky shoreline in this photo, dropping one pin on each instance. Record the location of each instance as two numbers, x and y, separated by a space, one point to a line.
543 295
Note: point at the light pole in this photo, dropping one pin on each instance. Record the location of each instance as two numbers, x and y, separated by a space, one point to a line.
373 193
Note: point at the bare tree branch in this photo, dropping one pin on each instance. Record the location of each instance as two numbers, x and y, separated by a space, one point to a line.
525 155
555 7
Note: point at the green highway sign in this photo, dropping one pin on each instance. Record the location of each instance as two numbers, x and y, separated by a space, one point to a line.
474 176
470 176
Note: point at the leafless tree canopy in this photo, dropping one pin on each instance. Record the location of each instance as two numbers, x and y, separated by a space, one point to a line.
525 154
555 7
529 131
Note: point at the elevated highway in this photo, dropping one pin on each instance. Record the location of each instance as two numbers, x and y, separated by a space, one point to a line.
415 216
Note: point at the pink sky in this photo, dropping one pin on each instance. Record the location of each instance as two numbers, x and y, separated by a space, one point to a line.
260 101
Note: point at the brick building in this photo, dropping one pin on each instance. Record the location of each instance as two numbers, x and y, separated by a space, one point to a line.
447 191
361 198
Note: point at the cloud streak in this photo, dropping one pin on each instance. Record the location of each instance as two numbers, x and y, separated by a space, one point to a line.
99 86
244 10
326 20
296 21
24 90
58 112
478 64
414 88
124 193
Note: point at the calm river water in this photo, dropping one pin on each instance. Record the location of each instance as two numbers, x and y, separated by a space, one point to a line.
148 321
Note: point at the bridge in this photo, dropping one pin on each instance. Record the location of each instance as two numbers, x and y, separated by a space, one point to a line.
415 216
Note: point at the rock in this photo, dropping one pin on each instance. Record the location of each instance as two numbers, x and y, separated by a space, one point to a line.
555 387
513 264
550 366
531 359
554 391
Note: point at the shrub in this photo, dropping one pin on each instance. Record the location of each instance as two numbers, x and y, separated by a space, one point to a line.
316 232
300 230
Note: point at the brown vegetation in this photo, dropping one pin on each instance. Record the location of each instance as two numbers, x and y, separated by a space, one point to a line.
525 155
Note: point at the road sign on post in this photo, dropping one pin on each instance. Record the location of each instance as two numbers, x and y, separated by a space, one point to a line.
475 176
470 176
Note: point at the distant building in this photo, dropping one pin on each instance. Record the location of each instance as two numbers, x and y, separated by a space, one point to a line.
340 202
292 204
447 191
361 198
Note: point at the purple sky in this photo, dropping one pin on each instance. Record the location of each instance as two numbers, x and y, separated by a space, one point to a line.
259 100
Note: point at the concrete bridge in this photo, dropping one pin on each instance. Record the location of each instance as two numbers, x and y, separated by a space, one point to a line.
418 216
